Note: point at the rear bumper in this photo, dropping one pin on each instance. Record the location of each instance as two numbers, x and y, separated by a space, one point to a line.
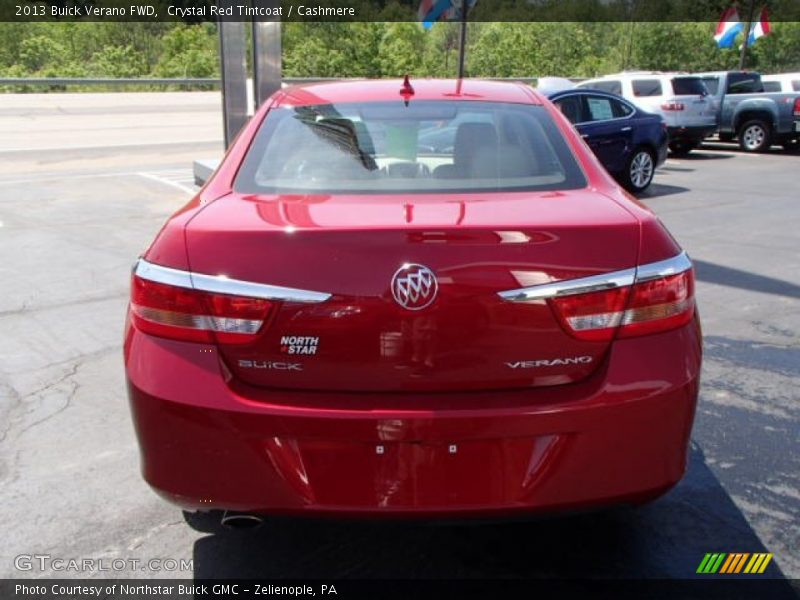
661 157
621 436
692 134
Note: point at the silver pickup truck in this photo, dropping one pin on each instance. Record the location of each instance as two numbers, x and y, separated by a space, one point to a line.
757 119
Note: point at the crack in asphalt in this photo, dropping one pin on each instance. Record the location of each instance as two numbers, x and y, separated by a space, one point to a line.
67 401
27 309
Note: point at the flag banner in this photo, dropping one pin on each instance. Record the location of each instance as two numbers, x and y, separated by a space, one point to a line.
760 28
728 28
431 11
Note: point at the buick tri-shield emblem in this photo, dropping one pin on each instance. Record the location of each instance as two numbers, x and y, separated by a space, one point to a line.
414 286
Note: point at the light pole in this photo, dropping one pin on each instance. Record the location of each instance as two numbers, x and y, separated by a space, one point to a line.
462 38
748 25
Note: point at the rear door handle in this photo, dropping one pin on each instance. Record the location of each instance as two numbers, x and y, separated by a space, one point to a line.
626 128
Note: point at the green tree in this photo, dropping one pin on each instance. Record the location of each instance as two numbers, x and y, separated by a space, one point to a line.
118 61
38 51
12 35
679 46
779 51
400 48
528 50
189 51
440 55
315 50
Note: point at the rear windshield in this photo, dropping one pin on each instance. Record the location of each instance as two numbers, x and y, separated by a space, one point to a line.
427 146
688 86
609 86
744 83
796 85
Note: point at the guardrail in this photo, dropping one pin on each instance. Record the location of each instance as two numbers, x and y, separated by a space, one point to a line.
108 81
187 82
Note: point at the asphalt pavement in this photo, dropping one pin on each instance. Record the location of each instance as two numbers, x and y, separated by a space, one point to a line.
86 181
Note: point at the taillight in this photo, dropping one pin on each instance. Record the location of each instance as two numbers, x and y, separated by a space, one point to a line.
797 107
672 105
594 316
650 306
191 315
659 305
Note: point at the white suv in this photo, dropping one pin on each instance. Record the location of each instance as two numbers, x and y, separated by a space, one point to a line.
681 99
784 82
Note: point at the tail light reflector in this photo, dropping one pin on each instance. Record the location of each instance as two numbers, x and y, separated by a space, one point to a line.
650 306
191 315
672 105
659 305
594 316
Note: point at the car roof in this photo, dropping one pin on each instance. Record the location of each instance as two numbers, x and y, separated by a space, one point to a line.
380 90
780 76
717 73
639 74
555 95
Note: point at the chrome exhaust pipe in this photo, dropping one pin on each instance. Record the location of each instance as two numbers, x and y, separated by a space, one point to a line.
240 520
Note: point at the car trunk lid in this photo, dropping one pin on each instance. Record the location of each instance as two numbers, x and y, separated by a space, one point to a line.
362 338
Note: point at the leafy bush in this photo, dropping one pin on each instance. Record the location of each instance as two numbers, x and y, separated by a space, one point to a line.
387 47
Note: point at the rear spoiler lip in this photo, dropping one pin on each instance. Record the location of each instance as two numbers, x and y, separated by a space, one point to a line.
596 283
221 284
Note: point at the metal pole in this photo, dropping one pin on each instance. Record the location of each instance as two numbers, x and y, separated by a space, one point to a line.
743 53
462 38
266 55
233 69
629 54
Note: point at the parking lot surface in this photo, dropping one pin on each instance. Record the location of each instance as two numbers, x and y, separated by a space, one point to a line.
86 182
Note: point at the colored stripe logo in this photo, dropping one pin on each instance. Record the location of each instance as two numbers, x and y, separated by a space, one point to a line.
733 563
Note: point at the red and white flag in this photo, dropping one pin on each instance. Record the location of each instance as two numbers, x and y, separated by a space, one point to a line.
759 28
728 28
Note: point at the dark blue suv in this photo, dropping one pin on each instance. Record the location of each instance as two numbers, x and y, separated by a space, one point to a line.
629 142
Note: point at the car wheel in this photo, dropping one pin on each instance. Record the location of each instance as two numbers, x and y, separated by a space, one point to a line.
791 145
681 148
640 170
755 136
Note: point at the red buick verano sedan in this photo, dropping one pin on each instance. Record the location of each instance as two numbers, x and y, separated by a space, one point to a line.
412 299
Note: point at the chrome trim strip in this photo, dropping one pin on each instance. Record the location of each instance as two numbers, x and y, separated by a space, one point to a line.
220 284
165 275
596 283
664 268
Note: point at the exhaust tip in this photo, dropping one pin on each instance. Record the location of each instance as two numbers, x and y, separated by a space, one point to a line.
240 521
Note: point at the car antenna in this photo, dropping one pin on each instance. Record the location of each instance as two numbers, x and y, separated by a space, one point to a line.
407 90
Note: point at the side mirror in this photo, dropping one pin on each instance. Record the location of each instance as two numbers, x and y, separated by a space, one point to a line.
203 169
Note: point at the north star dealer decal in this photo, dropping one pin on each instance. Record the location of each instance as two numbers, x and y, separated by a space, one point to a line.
299 344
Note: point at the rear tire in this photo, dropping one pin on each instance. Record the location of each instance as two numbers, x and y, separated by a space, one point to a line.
755 136
639 171
681 148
